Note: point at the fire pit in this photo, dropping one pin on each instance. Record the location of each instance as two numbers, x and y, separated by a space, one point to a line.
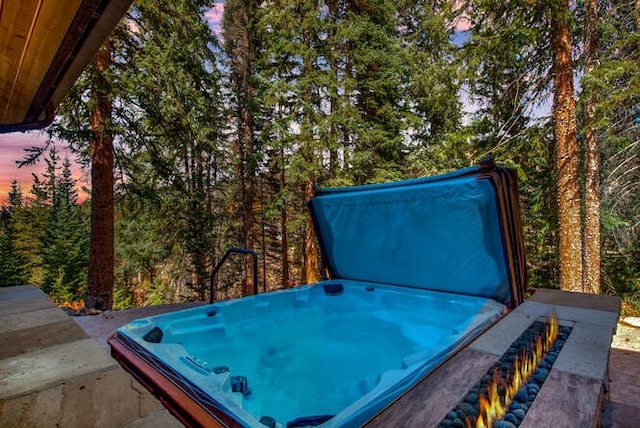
505 393
571 395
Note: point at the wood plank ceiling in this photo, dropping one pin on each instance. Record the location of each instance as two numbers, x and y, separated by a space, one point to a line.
44 45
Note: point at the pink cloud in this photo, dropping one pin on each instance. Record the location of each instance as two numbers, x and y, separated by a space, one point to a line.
462 23
214 18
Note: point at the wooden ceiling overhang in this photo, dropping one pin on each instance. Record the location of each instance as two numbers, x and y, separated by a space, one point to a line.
44 46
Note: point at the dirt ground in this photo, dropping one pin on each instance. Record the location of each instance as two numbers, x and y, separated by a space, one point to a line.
628 334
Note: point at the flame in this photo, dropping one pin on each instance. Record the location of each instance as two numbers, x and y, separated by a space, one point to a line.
500 392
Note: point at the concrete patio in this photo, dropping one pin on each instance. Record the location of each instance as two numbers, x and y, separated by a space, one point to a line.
53 374
55 370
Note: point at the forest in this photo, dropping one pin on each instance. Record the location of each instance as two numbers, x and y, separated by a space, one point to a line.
203 135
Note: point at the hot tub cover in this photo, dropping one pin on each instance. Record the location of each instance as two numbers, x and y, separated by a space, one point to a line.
458 232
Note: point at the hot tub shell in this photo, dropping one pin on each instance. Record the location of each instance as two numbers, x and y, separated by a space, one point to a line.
456 235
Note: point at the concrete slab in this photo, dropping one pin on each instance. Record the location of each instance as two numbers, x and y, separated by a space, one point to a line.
565 400
40 409
102 399
31 339
8 307
21 321
427 403
107 398
570 313
617 415
624 371
500 337
22 292
586 351
50 366
579 300
52 374
161 419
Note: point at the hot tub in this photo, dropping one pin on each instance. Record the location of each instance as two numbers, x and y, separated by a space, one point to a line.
417 269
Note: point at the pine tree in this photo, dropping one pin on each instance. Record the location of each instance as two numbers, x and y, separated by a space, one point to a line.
564 115
85 122
427 28
614 83
101 254
240 47
506 64
12 263
175 137
592 170
65 243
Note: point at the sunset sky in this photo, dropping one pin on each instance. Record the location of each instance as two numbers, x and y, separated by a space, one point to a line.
12 150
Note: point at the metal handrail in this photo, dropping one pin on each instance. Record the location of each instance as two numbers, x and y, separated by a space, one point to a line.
212 281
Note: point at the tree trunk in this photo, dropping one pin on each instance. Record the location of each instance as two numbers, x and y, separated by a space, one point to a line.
286 283
591 164
564 112
199 262
101 251
248 195
239 42
311 258
246 167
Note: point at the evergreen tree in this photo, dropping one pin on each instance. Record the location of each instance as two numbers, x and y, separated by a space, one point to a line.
240 47
592 169
614 83
85 122
65 243
427 28
506 65
567 166
101 254
28 225
12 263
154 95
335 95
377 86
175 134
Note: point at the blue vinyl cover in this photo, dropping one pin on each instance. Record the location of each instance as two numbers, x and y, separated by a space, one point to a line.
439 233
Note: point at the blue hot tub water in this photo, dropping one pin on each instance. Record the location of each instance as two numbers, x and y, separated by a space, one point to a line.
306 353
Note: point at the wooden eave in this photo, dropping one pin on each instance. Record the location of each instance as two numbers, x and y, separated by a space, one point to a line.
44 46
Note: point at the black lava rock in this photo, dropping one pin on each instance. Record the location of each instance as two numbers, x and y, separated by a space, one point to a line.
510 417
457 423
521 396
519 413
467 409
